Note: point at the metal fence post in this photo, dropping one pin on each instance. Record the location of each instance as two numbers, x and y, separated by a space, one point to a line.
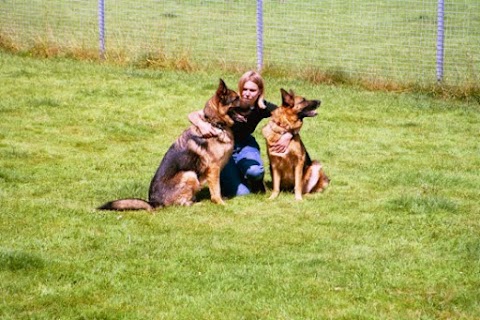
101 27
259 35
440 39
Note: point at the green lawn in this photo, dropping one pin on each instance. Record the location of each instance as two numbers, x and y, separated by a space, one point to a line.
395 236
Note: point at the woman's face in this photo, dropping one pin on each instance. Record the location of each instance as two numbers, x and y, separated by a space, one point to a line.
250 91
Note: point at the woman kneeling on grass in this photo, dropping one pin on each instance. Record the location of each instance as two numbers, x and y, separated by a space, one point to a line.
244 172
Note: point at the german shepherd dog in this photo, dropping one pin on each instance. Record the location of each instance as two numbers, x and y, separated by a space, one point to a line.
293 169
191 161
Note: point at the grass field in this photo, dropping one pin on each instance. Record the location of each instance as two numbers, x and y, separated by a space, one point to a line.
395 236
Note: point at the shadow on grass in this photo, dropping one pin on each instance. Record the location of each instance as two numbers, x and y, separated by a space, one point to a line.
18 260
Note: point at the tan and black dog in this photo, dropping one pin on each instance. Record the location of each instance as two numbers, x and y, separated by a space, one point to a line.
293 169
191 161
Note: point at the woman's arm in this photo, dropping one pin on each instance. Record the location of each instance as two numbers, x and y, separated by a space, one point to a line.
197 118
282 144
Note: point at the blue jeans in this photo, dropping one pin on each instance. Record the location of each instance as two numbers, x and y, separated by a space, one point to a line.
244 167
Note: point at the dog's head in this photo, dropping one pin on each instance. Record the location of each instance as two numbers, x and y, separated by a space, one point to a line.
298 105
217 108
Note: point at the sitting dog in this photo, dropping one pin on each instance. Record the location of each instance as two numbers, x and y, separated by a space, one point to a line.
191 161
293 169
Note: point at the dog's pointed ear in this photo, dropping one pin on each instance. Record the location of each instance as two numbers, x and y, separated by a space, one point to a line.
222 88
288 99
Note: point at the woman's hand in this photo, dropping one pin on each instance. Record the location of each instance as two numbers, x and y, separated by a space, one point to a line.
282 144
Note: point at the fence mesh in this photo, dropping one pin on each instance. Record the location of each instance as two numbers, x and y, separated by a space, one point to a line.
392 40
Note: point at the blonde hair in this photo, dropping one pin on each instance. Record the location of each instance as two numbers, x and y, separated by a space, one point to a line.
258 80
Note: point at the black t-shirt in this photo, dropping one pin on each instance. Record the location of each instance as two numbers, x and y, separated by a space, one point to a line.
242 130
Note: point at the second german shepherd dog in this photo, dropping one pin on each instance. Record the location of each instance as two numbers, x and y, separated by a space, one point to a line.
293 169
191 161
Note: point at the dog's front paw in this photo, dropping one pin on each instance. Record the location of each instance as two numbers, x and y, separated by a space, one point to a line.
273 196
218 201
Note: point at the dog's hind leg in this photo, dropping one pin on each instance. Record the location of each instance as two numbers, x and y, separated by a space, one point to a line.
184 186
315 179
311 176
322 183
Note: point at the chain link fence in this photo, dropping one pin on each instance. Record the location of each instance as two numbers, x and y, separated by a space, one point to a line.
395 40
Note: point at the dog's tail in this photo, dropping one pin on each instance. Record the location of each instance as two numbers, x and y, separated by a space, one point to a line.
127 204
